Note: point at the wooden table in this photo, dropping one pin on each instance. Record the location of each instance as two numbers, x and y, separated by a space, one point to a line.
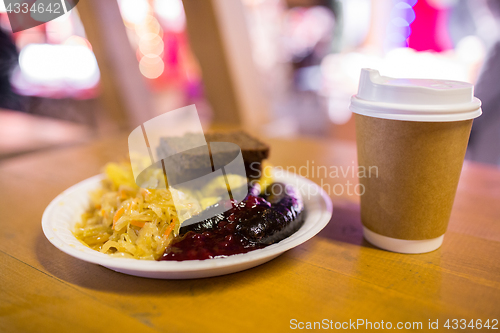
335 276
22 133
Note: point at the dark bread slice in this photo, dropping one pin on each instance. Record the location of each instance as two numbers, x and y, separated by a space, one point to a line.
252 150
195 161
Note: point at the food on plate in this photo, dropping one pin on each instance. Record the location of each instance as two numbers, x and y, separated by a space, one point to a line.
128 221
253 223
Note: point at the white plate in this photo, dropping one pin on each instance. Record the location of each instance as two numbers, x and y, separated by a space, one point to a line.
65 210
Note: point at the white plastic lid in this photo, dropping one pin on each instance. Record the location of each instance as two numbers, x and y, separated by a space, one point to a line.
414 99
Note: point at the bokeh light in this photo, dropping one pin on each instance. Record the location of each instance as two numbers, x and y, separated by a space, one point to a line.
471 49
134 11
77 40
171 12
306 27
151 44
398 29
58 65
151 66
149 25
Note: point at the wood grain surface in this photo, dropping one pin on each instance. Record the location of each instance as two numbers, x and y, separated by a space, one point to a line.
22 133
335 276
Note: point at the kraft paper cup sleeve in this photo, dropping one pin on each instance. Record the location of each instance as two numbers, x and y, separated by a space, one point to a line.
419 165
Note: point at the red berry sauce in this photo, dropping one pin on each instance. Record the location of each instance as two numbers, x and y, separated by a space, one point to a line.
221 241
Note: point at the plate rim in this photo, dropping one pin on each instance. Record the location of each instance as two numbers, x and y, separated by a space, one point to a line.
148 266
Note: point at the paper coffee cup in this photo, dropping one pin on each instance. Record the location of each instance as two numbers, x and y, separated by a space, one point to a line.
412 136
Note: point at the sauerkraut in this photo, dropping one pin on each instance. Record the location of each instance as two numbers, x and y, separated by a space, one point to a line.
127 221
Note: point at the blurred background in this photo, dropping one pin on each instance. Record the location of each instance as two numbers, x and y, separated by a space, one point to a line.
276 67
